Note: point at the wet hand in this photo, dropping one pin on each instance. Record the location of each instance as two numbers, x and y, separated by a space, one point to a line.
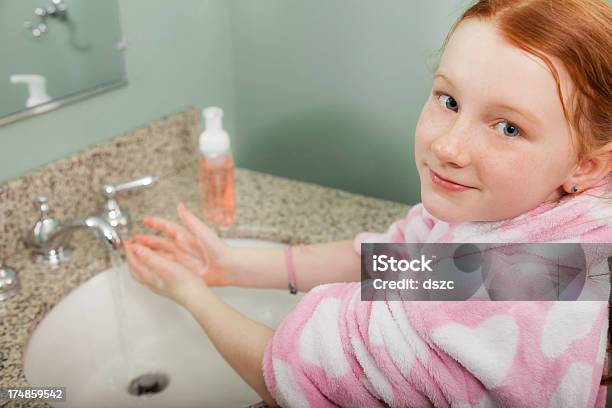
161 273
193 245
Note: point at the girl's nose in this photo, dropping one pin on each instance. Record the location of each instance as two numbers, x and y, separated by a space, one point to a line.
453 147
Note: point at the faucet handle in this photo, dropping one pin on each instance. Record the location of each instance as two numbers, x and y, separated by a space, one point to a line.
42 203
45 226
111 212
9 281
109 190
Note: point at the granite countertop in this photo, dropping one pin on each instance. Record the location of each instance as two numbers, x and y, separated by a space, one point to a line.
268 207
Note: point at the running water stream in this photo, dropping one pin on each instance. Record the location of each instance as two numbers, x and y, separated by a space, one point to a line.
125 367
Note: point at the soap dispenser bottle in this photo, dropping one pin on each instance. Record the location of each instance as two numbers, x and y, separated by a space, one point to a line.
216 170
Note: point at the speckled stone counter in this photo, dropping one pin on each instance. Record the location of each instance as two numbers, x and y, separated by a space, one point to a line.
268 207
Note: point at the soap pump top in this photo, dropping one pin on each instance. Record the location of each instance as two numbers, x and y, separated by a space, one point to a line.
37 88
214 141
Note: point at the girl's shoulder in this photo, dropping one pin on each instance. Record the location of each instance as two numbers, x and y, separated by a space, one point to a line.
416 226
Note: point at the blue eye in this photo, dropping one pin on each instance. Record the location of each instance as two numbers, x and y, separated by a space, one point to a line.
509 129
449 102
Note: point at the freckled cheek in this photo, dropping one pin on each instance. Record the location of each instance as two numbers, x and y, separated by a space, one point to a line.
428 129
504 176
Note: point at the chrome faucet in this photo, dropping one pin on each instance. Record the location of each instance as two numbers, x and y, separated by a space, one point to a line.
9 281
49 238
112 213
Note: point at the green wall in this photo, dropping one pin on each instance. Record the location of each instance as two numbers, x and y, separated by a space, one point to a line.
330 91
321 91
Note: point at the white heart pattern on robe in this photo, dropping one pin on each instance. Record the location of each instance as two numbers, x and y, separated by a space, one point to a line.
487 350
566 322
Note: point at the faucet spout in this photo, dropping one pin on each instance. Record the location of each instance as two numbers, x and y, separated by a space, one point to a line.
49 238
53 248
98 226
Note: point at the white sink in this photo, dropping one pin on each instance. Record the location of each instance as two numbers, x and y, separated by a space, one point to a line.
78 345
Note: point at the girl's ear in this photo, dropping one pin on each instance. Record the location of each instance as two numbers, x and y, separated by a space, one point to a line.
595 167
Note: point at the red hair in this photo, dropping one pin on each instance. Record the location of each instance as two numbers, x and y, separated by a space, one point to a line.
579 34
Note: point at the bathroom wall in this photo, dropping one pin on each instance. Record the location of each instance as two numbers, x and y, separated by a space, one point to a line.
179 55
321 91
330 91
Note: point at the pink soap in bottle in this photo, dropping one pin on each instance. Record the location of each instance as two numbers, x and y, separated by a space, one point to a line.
216 170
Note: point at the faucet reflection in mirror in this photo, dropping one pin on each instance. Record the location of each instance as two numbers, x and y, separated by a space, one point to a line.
58 10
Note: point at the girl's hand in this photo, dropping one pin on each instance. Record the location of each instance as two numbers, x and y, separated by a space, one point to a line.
193 245
240 340
161 274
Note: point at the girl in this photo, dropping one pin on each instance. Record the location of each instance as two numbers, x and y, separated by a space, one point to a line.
514 144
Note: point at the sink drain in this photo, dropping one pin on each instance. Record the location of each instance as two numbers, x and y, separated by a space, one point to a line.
147 384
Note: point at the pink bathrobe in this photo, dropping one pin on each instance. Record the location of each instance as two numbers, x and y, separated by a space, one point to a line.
336 350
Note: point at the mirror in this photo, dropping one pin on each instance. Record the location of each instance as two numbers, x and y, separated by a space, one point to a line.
55 52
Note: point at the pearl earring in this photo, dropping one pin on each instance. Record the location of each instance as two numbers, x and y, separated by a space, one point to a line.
574 189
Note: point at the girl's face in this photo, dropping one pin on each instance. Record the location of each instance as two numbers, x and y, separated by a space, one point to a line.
493 123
